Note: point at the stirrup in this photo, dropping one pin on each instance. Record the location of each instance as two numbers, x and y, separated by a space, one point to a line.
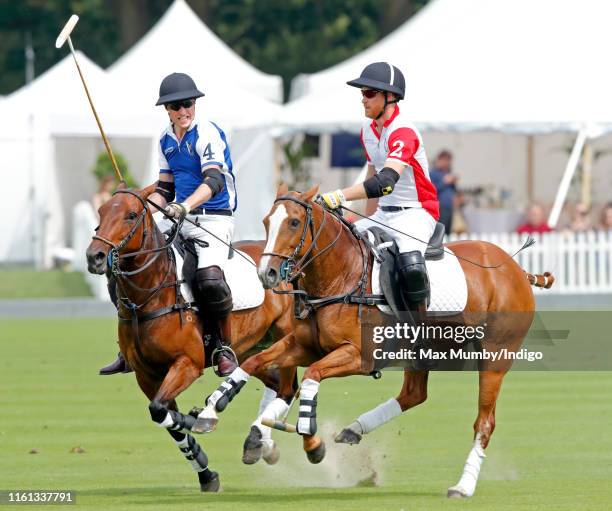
214 358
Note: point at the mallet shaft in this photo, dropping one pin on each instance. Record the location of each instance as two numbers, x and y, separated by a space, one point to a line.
281 426
93 109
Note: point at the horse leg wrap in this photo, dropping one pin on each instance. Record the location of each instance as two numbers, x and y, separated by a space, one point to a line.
170 419
268 397
467 484
307 418
384 412
228 389
193 453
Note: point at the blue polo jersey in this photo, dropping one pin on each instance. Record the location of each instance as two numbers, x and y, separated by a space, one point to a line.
203 146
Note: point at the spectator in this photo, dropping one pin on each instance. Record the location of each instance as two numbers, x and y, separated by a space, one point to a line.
444 180
606 217
105 190
581 219
536 221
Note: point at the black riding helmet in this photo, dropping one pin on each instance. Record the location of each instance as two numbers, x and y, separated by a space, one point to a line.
384 77
176 87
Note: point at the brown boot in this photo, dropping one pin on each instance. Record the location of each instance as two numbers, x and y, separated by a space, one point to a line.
118 366
223 355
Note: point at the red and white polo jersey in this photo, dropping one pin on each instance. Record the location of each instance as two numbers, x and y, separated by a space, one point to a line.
401 141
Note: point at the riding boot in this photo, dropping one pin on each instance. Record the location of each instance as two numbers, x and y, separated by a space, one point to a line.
118 366
416 293
226 358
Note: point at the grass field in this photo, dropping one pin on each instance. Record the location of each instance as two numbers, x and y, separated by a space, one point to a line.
552 448
24 283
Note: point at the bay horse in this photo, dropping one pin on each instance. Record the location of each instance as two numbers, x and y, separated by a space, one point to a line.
159 333
307 243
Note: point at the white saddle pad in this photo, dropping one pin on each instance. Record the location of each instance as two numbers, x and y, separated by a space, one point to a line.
241 276
447 281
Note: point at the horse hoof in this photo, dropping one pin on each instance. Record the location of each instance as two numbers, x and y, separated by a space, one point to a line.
253 447
456 492
271 454
213 485
348 436
206 421
317 454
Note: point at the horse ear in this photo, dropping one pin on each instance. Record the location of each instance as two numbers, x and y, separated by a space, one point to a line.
310 193
145 192
283 189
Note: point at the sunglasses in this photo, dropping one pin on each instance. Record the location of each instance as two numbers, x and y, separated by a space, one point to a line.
177 105
369 93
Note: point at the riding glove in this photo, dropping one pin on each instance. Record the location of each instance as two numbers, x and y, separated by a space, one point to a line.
334 199
176 210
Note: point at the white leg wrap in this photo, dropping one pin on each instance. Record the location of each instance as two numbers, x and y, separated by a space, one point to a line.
276 409
268 396
308 391
237 376
371 420
471 470
167 422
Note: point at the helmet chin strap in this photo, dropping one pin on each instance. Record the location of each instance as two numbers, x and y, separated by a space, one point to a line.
387 103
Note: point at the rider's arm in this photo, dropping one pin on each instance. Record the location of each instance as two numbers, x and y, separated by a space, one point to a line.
213 184
164 191
371 204
358 191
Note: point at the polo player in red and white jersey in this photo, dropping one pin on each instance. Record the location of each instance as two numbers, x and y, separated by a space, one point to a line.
398 176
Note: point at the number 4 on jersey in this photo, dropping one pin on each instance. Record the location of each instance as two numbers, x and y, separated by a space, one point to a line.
208 153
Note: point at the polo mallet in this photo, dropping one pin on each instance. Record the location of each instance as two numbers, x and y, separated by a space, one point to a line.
59 42
282 425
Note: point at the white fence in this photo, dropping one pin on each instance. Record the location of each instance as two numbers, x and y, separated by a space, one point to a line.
580 262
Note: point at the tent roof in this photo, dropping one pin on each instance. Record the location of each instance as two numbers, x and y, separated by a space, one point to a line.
180 41
513 65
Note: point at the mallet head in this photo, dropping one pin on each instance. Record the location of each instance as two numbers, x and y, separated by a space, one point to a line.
66 31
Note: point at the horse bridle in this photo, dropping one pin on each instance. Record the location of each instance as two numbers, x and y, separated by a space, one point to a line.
291 269
116 248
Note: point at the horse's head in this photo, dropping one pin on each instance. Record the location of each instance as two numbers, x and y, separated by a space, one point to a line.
122 226
288 232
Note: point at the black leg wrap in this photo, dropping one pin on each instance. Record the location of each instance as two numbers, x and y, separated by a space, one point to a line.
413 277
312 414
158 411
179 421
229 388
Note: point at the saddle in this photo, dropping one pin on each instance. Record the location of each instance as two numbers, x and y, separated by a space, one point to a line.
386 251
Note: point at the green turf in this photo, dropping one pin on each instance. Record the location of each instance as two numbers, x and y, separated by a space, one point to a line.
552 448
21 283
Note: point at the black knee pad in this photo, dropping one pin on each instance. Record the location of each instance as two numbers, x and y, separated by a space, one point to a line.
212 292
413 276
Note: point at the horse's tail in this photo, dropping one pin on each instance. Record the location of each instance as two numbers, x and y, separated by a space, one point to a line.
546 280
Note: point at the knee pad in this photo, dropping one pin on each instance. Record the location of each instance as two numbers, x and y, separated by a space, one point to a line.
212 292
413 276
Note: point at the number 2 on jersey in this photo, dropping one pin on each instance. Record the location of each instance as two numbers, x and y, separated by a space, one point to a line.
399 145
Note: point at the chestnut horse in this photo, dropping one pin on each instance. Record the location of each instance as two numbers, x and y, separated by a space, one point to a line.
159 334
307 243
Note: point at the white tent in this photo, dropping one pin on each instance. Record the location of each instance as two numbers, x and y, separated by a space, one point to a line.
38 119
514 69
180 41
520 65
50 139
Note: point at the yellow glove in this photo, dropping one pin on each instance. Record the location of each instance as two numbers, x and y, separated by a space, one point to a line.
333 199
